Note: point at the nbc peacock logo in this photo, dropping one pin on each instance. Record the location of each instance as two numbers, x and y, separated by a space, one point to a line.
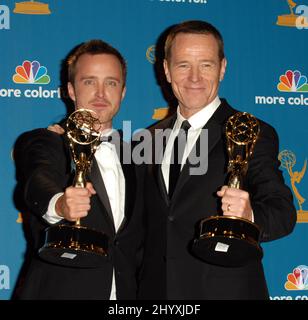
31 73
293 81
298 279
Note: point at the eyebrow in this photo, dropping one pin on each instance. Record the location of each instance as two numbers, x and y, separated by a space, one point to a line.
114 78
87 77
187 61
94 77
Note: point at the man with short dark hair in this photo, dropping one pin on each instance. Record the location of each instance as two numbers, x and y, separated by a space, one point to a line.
175 204
97 76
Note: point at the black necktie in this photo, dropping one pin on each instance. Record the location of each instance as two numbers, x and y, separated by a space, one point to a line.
177 155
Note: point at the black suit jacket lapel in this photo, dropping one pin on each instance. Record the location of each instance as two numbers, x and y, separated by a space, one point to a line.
99 186
130 182
129 177
160 151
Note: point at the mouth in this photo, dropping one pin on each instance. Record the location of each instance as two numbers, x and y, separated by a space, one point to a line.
195 89
100 105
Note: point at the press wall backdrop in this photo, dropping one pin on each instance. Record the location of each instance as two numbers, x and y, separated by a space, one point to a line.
266 44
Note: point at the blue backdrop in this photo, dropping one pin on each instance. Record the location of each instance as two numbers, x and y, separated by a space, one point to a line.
266 48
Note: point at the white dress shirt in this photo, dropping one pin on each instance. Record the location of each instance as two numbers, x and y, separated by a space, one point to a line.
197 122
113 177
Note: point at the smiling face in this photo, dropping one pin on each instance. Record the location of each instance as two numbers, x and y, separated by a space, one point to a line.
194 70
98 85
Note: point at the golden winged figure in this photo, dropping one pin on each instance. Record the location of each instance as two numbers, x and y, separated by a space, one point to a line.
296 177
292 5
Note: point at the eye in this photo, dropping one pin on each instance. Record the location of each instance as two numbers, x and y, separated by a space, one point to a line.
112 83
183 65
206 65
88 82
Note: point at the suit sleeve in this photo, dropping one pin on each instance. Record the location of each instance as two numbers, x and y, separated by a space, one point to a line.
271 199
42 167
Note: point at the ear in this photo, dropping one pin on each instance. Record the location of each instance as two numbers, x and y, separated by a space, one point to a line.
223 68
167 73
71 91
123 93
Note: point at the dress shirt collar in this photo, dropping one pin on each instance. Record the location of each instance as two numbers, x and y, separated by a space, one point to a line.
199 119
106 137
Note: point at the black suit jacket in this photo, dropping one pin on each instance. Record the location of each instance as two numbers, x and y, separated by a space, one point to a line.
169 270
43 168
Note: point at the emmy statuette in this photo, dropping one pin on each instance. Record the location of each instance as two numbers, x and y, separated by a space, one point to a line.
229 240
74 245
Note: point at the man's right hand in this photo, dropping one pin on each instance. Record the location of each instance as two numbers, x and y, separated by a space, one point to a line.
75 202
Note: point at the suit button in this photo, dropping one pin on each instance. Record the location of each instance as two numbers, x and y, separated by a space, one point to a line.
116 242
171 218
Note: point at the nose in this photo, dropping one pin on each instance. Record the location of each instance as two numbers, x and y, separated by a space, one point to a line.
194 75
100 90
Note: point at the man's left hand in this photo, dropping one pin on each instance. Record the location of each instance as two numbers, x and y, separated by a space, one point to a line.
235 202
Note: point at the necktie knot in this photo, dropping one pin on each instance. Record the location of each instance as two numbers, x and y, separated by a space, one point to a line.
185 126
